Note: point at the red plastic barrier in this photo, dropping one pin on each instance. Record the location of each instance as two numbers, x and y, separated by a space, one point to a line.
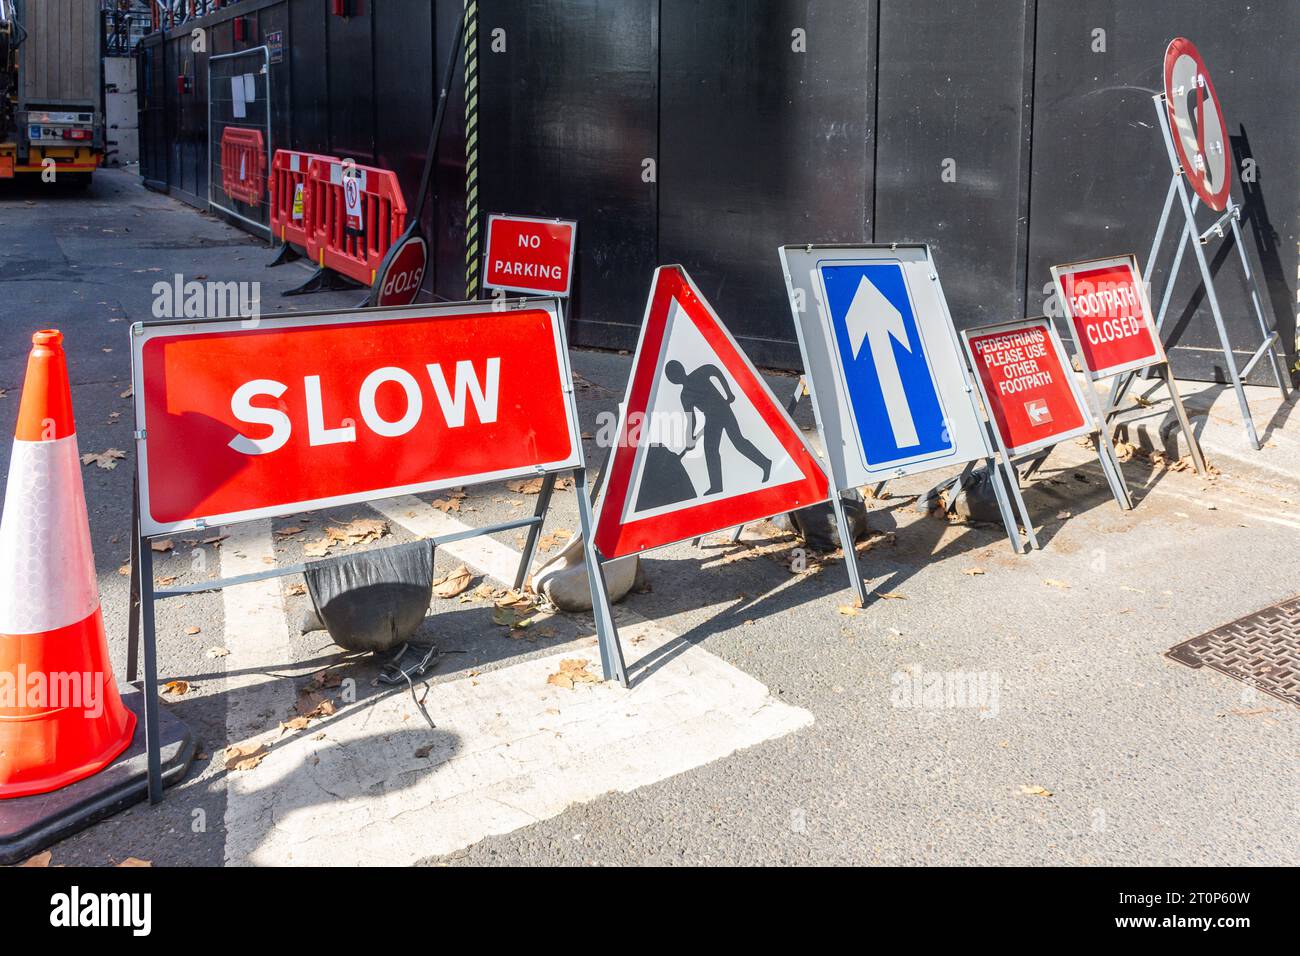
289 170
354 253
243 164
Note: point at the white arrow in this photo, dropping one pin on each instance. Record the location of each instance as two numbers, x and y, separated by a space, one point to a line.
1037 412
874 318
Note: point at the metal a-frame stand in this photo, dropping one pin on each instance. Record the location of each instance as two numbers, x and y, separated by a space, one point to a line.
145 592
1197 239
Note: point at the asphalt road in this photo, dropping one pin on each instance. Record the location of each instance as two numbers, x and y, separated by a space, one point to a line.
1088 746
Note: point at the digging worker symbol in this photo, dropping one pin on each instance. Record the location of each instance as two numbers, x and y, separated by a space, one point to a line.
700 395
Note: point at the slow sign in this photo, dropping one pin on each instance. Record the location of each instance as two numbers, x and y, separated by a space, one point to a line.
313 410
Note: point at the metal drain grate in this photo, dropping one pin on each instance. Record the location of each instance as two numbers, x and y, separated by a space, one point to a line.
1260 649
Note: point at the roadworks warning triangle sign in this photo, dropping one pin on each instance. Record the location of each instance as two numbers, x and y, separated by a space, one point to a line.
702 444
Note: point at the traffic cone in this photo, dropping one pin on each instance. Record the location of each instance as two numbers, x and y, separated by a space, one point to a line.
61 718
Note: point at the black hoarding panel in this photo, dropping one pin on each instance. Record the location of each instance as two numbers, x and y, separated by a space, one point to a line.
567 118
404 89
271 21
1101 172
444 220
309 127
765 139
952 145
351 86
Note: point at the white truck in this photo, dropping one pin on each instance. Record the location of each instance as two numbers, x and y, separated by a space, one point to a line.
51 89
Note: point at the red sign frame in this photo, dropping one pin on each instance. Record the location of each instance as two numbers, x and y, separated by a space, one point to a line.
556 242
237 420
1179 47
1124 337
1027 349
613 536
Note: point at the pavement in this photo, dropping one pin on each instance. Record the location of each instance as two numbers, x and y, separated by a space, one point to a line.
983 708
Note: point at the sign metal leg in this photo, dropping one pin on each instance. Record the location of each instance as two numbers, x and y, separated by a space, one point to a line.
1279 372
1193 444
850 552
534 531
1213 299
1110 467
133 601
611 654
152 741
996 477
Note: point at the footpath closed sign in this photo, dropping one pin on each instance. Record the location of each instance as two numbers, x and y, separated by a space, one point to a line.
530 254
1106 306
1026 384
310 411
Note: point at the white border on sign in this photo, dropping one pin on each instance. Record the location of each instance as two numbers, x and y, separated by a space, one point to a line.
143 332
619 432
1084 265
835 417
1015 325
573 245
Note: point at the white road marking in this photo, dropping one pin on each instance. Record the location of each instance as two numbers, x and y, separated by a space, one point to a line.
488 555
1227 506
256 634
510 749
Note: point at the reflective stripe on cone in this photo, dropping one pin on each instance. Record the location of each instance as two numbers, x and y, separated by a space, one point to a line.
61 718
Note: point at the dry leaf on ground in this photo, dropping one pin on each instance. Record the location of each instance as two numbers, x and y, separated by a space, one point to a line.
848 610
446 505
892 596
972 571
525 486
1053 583
313 704
514 599
317 549
1035 791
41 860
132 862
556 538
245 756
453 583
162 546
573 671
177 687
106 459
511 618
360 531
296 589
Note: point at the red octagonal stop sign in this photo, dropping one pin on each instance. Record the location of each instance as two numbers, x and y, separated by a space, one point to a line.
398 282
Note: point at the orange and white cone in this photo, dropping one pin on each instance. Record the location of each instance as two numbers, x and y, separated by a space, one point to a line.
61 718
